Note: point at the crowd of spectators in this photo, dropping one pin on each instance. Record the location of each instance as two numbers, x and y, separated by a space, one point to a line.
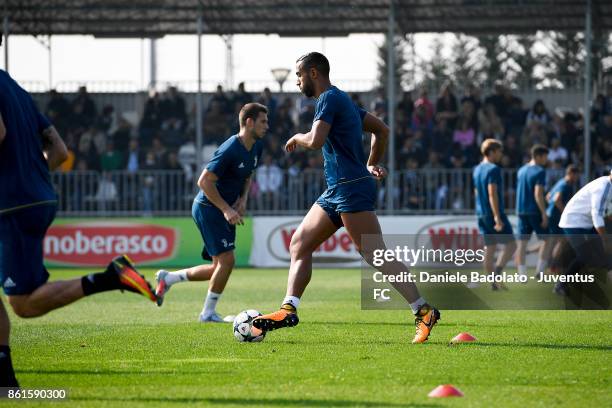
441 132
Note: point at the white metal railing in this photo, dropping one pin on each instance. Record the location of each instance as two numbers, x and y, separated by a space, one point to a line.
171 193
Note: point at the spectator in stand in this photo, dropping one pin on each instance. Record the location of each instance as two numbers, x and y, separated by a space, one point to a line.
83 108
410 150
441 139
468 113
111 160
121 137
159 152
134 157
472 93
173 108
357 99
306 117
556 152
446 105
598 109
58 111
424 102
497 99
513 156
91 145
490 123
437 189
379 103
284 122
241 96
271 103
538 114
421 120
107 120
149 191
151 119
220 99
269 181
216 128
464 134
406 109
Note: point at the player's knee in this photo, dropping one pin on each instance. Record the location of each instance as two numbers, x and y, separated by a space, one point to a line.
296 247
226 260
20 306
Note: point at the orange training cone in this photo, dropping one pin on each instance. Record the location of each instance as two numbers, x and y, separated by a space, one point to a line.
463 338
446 390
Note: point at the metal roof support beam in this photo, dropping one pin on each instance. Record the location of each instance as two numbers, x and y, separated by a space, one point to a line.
588 33
391 107
199 114
153 64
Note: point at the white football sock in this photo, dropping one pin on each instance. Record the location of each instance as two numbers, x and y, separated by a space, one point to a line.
522 269
417 304
291 300
174 277
542 264
210 304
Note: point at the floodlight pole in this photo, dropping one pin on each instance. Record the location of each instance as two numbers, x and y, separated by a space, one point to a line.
50 73
391 106
5 29
588 33
153 63
199 135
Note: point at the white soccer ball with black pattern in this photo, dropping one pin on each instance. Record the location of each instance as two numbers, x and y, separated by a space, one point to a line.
243 327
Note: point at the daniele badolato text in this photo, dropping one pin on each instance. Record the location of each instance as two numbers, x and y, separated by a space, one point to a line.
445 258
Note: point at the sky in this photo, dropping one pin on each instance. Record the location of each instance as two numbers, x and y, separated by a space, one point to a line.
80 58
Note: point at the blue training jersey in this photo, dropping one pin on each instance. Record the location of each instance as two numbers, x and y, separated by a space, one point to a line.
483 175
232 163
566 190
24 173
343 153
529 176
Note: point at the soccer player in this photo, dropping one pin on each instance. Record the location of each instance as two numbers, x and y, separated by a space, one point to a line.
584 224
558 198
29 147
219 207
531 208
350 196
492 220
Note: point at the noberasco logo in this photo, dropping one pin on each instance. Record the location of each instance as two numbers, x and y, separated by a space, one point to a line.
94 244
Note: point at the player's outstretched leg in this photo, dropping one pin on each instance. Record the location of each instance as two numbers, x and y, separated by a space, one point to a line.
426 317
166 279
285 317
315 228
129 278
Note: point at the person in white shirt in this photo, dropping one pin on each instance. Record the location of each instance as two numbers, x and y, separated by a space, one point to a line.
584 225
269 179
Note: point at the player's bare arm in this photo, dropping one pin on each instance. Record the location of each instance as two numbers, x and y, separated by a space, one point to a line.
207 183
499 224
541 201
2 130
313 140
378 145
54 148
558 200
241 202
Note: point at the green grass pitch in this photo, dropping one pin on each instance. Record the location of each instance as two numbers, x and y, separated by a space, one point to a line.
119 350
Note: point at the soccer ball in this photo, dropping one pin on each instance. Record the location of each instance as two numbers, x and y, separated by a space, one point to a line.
244 330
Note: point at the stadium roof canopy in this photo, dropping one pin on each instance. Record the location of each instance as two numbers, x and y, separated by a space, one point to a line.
156 18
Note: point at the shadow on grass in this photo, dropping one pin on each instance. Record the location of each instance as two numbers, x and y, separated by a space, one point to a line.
540 345
283 402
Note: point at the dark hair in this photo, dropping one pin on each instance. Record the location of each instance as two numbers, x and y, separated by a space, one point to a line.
251 110
315 60
489 146
572 169
538 150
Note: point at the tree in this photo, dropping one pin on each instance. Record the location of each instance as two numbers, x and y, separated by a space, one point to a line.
436 69
465 60
526 59
493 57
564 60
399 46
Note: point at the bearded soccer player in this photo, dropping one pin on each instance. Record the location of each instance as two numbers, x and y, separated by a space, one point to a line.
29 147
220 206
350 196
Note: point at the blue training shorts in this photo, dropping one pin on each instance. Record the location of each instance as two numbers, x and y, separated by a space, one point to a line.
219 235
528 223
21 249
486 225
348 197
